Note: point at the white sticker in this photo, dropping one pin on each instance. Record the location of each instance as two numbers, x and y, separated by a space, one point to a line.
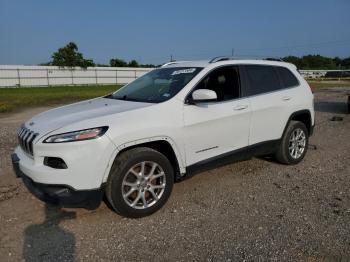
166 95
184 71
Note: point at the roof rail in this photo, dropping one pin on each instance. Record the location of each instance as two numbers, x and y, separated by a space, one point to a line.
274 59
220 58
173 62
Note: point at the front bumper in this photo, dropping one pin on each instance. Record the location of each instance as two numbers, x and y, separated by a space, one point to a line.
88 163
61 195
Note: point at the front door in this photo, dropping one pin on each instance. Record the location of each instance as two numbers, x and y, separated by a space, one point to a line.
218 127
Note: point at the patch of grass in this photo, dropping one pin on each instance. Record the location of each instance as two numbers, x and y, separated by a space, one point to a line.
328 79
328 84
22 97
4 107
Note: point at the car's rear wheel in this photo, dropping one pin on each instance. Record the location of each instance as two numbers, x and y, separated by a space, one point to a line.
294 144
140 182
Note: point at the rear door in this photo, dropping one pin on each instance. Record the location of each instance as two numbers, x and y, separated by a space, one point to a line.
271 102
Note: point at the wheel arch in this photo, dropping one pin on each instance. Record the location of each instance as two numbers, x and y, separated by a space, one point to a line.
303 116
164 145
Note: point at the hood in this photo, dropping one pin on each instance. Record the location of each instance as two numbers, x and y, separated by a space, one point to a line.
59 117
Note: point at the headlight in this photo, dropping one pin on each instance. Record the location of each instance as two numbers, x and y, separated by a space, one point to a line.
80 135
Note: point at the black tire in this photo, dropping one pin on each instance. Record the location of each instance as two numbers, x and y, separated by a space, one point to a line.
122 164
283 154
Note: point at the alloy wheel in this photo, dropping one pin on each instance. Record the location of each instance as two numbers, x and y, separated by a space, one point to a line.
143 185
297 143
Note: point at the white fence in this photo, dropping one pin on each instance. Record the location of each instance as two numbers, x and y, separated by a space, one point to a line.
322 73
16 76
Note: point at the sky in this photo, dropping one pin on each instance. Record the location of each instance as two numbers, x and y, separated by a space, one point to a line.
151 31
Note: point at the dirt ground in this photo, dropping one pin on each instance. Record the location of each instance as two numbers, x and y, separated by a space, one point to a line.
255 210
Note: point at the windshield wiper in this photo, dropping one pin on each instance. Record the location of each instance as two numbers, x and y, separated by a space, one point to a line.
125 98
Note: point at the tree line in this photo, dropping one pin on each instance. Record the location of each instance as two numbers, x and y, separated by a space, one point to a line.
318 62
68 56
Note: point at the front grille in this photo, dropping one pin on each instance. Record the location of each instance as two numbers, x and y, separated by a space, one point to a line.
25 139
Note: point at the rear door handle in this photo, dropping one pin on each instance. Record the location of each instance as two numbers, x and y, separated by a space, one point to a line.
286 98
240 107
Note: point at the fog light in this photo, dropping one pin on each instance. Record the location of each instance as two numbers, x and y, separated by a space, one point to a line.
55 162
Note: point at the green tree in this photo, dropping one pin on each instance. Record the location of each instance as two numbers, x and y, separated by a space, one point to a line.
102 65
116 62
318 62
133 63
346 63
69 56
337 61
293 60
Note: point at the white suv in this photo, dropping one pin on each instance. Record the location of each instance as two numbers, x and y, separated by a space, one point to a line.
133 144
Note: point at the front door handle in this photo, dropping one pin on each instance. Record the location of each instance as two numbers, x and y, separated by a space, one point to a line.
286 98
240 107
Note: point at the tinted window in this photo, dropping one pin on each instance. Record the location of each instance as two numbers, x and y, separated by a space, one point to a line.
287 77
224 81
262 79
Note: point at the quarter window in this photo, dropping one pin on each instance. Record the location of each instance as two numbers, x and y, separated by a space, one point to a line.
262 79
287 77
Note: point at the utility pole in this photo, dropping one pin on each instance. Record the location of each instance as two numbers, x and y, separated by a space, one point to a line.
171 58
232 52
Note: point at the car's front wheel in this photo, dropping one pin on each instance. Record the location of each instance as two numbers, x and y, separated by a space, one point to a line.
140 182
294 144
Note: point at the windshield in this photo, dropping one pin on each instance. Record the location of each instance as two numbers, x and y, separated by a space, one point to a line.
157 86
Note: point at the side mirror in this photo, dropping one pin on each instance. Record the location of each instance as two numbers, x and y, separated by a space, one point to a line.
203 95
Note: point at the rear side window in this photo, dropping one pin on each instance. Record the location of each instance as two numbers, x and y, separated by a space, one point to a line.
262 79
287 77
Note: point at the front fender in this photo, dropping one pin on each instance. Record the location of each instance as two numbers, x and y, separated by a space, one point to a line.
134 143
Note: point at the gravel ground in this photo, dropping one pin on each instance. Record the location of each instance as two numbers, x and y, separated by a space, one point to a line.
255 210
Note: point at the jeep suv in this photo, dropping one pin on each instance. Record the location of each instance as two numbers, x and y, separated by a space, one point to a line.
131 145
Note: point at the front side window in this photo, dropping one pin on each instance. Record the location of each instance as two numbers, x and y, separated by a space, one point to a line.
158 85
223 81
262 79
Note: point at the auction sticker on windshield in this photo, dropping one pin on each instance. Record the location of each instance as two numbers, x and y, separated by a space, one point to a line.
184 71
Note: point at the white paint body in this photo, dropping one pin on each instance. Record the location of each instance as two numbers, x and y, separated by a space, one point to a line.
223 126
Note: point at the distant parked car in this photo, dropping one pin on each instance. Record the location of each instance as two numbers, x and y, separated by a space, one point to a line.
338 74
133 144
